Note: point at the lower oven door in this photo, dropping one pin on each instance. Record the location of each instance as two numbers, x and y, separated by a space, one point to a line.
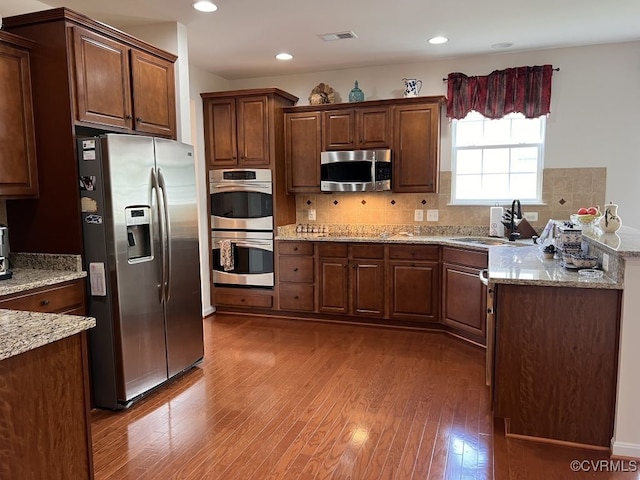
242 258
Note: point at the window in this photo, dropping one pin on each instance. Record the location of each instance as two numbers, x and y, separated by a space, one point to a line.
496 161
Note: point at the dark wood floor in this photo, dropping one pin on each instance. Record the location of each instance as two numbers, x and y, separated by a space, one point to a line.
284 399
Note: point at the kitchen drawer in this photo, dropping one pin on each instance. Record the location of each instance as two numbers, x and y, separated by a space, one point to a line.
295 248
296 296
295 269
242 299
413 252
367 251
54 299
469 258
340 250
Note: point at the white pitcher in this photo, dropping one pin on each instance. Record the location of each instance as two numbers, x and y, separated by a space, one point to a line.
610 222
412 87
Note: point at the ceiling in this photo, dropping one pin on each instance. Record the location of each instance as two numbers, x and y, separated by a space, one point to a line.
242 37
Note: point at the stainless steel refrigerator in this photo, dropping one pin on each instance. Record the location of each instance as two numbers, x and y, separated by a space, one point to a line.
139 216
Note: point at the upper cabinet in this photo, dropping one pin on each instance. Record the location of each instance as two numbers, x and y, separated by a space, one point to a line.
356 128
410 127
123 87
18 173
240 127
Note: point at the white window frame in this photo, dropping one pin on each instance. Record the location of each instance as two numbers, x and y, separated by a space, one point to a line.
498 199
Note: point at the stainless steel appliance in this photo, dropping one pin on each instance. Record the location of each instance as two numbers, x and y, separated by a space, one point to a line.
484 278
138 199
5 271
252 258
355 171
242 227
241 199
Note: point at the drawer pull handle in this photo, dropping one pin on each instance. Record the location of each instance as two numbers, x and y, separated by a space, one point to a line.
44 303
296 297
295 269
242 299
295 249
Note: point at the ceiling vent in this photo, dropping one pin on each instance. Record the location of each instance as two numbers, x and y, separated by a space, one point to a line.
330 37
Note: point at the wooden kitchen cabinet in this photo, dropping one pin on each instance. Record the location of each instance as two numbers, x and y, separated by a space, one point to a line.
296 276
415 282
357 128
351 279
302 147
67 298
119 86
240 128
464 296
556 354
416 147
18 169
67 82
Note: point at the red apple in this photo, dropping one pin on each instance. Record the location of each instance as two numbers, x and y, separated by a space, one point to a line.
592 211
583 211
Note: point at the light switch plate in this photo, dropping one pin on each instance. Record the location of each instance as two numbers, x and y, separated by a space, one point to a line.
432 215
531 216
418 215
312 214
605 262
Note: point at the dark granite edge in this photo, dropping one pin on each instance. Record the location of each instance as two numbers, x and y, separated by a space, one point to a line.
46 261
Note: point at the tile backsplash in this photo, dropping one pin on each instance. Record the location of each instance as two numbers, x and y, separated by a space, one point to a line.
564 190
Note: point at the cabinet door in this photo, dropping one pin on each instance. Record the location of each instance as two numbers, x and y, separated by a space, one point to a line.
339 130
333 284
368 295
416 148
464 300
220 132
373 127
253 131
153 93
102 87
302 151
18 173
414 291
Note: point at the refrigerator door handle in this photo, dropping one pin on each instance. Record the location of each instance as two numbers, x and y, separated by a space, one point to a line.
167 244
161 226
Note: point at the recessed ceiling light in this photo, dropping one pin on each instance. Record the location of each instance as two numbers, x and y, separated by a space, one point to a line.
205 6
502 45
438 40
284 56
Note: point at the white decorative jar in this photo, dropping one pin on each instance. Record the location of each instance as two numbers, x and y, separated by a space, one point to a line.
610 222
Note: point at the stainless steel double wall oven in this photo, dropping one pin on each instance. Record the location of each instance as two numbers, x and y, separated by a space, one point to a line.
242 227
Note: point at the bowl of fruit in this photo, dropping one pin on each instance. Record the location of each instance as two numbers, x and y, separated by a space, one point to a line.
586 216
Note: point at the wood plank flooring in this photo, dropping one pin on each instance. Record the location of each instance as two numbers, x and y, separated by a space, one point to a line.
286 399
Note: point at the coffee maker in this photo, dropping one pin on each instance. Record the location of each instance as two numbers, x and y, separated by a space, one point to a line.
5 273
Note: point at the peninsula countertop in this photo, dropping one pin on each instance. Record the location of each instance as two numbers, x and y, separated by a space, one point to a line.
21 331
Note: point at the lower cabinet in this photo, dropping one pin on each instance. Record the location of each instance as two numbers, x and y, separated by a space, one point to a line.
415 282
67 298
295 273
464 297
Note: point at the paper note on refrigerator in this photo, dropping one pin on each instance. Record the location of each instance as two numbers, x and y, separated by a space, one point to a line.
97 280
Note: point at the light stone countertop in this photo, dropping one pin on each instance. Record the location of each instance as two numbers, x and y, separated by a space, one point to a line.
520 262
23 331
624 243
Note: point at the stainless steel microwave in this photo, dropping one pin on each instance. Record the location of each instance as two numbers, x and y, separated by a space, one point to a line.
355 171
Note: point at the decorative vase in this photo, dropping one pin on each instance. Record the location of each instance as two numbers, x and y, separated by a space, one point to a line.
356 95
610 222
412 87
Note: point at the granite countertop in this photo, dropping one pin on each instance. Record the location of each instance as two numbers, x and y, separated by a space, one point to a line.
23 331
624 243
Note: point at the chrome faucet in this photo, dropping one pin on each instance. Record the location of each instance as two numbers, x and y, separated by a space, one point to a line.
516 218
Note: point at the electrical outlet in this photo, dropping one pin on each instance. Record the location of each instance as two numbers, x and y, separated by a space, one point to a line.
432 215
418 215
605 262
312 214
531 216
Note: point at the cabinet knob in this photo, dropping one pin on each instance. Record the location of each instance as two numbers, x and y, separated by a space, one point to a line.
128 117
295 269
296 297
138 119
295 249
242 299
44 303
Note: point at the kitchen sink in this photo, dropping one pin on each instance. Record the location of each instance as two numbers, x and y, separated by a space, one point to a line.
488 241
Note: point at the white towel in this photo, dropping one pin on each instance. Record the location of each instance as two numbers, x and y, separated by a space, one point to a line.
226 255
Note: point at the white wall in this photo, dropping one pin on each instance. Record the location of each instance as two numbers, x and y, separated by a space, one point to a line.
594 105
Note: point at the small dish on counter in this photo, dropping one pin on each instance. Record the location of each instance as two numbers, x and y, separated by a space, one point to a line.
584 261
590 273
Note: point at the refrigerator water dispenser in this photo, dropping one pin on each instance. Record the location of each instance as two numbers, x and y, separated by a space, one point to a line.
138 232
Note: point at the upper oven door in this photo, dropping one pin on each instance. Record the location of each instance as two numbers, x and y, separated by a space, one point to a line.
238 203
